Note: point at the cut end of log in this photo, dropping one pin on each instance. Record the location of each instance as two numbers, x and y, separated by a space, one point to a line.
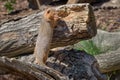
79 17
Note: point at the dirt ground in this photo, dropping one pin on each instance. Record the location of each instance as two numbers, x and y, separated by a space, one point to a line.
107 19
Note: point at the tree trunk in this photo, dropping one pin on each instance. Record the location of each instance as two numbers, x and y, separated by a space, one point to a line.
33 4
36 4
17 36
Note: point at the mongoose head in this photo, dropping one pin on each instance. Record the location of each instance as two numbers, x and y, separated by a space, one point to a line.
51 15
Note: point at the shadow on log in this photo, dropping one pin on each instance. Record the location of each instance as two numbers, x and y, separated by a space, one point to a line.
18 36
70 64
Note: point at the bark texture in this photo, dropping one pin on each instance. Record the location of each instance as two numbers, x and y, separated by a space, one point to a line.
109 61
18 35
27 71
67 64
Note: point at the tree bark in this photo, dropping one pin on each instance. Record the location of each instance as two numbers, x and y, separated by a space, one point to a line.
67 64
109 61
36 4
29 71
33 4
18 36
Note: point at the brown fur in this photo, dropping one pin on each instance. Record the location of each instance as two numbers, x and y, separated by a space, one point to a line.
72 1
49 21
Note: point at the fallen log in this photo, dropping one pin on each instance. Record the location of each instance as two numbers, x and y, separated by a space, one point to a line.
109 61
72 64
29 71
18 36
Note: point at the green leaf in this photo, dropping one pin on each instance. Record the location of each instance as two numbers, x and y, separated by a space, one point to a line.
9 6
88 46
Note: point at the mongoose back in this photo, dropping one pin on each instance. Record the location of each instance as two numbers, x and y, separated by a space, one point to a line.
49 21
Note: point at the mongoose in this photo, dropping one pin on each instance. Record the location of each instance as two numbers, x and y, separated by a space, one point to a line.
72 1
48 23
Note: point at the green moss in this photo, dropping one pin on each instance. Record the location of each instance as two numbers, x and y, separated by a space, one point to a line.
88 46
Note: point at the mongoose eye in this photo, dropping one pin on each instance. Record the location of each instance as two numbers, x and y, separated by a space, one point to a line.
48 11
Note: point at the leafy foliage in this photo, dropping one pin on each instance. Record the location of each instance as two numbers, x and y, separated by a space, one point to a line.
88 46
9 5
